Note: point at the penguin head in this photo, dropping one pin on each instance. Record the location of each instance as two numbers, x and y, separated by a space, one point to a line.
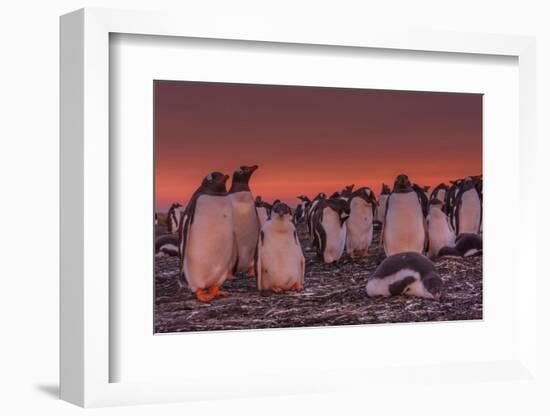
433 285
303 198
243 174
346 192
280 210
402 183
385 189
215 182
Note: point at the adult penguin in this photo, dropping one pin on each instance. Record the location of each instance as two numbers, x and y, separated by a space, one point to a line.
206 239
310 213
330 229
440 192
381 208
467 208
424 201
280 263
410 274
359 225
263 209
173 217
300 213
245 219
405 227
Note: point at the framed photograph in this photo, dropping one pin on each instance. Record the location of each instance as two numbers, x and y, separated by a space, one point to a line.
291 213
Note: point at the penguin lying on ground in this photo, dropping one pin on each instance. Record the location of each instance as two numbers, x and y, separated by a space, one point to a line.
410 274
207 244
280 263
166 245
245 219
466 245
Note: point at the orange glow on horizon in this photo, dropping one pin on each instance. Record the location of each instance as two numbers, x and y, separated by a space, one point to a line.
309 140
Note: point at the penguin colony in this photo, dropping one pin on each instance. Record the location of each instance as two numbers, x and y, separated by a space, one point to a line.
255 239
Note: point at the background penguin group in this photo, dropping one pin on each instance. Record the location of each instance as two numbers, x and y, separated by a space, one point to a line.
221 234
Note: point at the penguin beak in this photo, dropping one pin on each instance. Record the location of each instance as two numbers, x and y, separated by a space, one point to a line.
225 178
253 168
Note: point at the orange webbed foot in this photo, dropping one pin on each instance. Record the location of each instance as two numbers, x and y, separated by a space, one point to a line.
207 295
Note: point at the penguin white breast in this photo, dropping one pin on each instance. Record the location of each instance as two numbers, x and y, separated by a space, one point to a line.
335 235
404 226
209 248
470 212
280 257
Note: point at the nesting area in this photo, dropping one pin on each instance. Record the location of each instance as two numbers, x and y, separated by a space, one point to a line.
334 294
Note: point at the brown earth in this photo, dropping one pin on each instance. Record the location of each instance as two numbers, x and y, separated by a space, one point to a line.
334 294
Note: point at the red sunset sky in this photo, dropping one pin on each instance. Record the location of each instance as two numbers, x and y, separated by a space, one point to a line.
310 139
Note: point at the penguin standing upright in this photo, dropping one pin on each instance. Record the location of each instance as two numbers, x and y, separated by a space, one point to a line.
245 219
206 239
405 227
263 209
300 213
380 211
360 222
310 213
467 208
410 274
440 192
280 263
173 217
330 229
440 231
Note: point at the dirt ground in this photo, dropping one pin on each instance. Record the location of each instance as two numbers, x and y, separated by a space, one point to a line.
333 295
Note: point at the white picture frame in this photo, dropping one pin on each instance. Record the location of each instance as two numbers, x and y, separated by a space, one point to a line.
85 216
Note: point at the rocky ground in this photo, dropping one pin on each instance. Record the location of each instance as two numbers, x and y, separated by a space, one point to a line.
333 295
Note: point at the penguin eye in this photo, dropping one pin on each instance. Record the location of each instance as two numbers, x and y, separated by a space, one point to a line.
240 171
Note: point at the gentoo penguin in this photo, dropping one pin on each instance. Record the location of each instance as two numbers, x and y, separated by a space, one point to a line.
404 227
408 273
466 209
173 217
245 219
166 245
300 213
330 229
450 199
424 201
206 239
465 245
440 192
359 225
346 192
311 211
280 263
440 231
381 208
263 209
